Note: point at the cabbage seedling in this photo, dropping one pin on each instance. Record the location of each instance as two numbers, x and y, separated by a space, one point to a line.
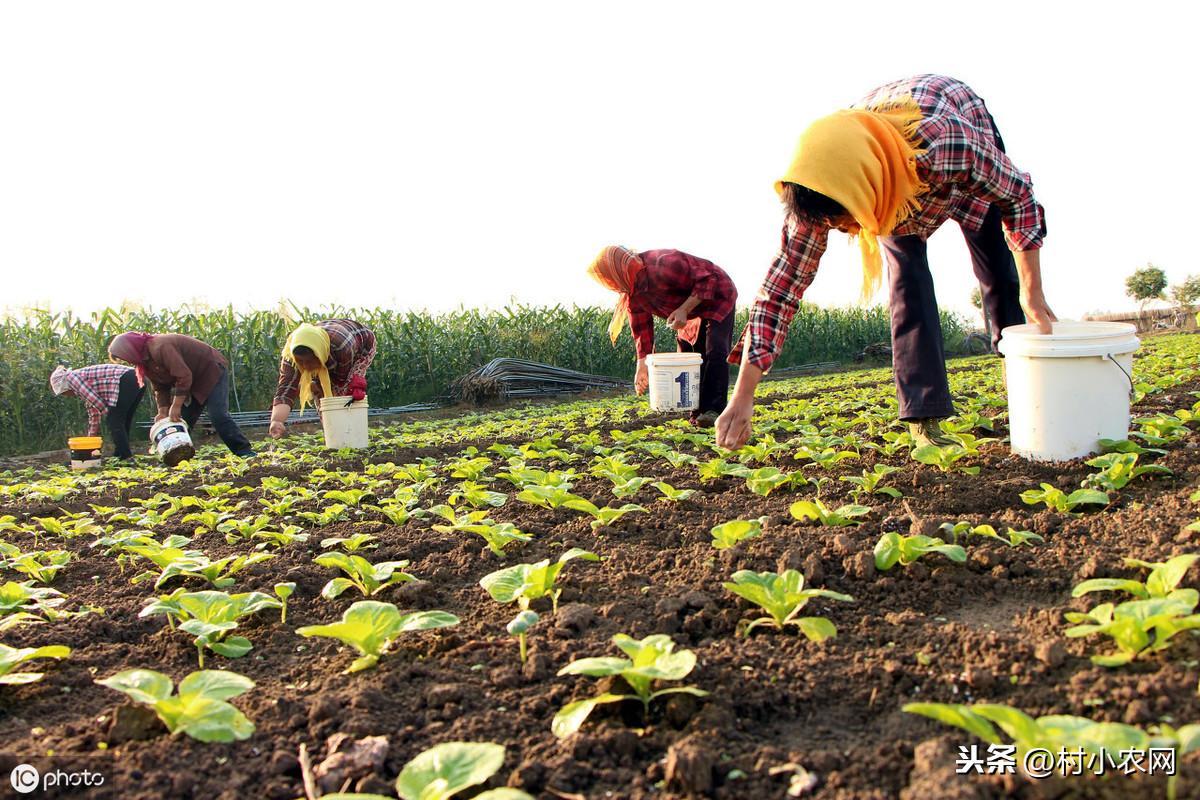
210 616
945 458
601 516
1163 580
825 458
1117 470
25 598
447 769
718 468
520 625
12 657
348 497
331 514
238 529
199 709
471 469
283 591
218 573
630 487
477 496
764 480
650 659
1058 500
843 516
40 565
869 482
351 544
671 494
727 534
783 597
285 536
370 627
1136 627
370 579
893 548
527 582
1015 538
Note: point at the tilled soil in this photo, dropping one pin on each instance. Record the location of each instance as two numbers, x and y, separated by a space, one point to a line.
783 712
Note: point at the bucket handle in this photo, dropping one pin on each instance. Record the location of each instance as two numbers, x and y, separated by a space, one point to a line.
1128 377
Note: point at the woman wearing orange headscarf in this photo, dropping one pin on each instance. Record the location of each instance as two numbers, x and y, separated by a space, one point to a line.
697 299
890 171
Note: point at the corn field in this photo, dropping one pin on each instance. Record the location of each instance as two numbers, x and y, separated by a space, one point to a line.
418 353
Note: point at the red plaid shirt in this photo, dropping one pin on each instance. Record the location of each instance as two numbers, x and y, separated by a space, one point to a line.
98 386
670 277
351 350
966 172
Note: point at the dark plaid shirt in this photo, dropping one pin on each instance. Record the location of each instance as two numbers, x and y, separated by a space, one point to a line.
98 386
351 350
670 277
966 171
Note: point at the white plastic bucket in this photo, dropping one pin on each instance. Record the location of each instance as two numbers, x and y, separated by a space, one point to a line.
344 421
1068 390
674 381
171 441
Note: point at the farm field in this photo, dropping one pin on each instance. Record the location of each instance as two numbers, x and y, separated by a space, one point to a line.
115 566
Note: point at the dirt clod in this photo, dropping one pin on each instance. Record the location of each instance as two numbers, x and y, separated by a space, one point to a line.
689 767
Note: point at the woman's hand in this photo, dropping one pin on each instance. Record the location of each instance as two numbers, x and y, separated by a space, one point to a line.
678 318
277 429
641 378
733 426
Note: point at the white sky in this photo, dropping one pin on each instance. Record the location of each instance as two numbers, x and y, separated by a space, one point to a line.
444 153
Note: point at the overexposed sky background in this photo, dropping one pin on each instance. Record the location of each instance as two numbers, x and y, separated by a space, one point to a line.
430 155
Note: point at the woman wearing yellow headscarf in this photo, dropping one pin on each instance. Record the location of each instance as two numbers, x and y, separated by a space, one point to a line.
328 359
913 154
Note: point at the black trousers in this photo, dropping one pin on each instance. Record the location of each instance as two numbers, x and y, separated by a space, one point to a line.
918 355
218 413
713 343
120 416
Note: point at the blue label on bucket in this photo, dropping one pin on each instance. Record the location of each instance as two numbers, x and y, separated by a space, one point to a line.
169 430
685 389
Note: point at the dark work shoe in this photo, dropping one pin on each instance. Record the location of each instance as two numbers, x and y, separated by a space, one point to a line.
246 454
705 419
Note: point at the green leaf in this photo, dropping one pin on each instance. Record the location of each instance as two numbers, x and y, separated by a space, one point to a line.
571 716
141 685
959 716
447 769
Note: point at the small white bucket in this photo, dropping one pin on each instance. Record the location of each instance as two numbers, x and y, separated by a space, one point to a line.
171 441
344 421
1068 390
674 381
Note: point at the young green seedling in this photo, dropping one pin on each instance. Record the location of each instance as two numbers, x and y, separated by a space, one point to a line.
476 496
647 660
210 616
218 573
718 468
1163 580
894 548
783 597
351 544
1058 500
843 516
199 709
41 566
519 626
284 591
371 627
447 769
370 579
764 480
671 494
601 516
1015 538
945 458
727 534
1136 627
524 583
12 657
1117 470
869 482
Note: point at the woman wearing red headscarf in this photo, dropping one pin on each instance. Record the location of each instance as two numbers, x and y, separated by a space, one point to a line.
188 377
696 297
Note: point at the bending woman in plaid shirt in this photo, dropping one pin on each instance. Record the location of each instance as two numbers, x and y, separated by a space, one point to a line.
107 390
329 359
915 153
697 299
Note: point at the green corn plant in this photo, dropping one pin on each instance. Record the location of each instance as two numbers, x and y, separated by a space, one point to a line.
199 709
476 496
671 494
602 516
894 548
869 482
1136 627
12 657
1117 470
1163 580
1060 501
842 516
351 544
524 583
727 534
210 616
371 627
783 597
647 660
370 579
945 457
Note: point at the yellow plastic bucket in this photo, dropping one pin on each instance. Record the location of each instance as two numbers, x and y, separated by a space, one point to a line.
85 451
